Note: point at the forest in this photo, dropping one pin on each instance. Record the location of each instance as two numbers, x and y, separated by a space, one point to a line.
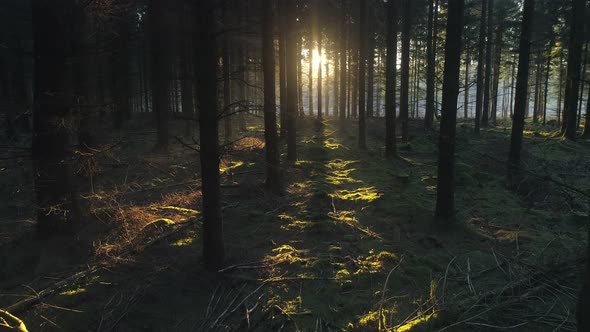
295 165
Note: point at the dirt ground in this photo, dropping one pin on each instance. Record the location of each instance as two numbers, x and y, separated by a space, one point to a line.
350 246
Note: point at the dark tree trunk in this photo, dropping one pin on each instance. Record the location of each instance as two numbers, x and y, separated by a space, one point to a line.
213 249
522 81
370 69
573 69
480 65
586 133
466 95
120 75
343 71
546 92
391 79
497 62
488 71
270 121
320 78
362 67
327 88
160 70
560 92
291 48
405 69
512 87
430 71
300 78
310 84
187 86
537 98
227 111
445 198
582 82
53 189
283 70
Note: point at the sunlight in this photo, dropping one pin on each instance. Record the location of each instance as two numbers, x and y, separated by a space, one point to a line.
317 60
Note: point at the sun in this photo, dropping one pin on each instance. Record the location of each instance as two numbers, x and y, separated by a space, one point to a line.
317 59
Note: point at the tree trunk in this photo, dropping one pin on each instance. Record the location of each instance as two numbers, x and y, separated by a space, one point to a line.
583 80
310 82
188 105
270 121
292 57
213 249
390 79
466 94
56 208
120 75
405 69
283 71
522 81
370 45
227 109
573 70
480 65
546 92
362 67
430 71
445 202
320 78
488 71
497 62
160 71
560 93
343 71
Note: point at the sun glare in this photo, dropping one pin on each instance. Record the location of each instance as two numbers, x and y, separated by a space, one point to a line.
317 59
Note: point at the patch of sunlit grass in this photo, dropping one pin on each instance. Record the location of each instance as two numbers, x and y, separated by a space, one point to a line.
286 254
372 318
332 144
300 187
374 263
248 144
367 194
291 223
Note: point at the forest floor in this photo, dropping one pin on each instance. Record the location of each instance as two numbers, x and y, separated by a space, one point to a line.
351 246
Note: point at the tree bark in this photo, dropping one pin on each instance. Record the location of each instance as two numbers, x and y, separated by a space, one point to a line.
362 67
291 65
480 66
343 69
522 81
573 70
430 71
445 198
160 71
391 79
270 121
213 248
405 69
283 71
488 71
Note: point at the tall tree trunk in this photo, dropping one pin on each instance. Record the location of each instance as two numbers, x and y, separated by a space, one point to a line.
537 99
583 80
546 92
292 57
327 88
430 68
283 70
480 65
300 78
227 101
310 78
466 94
573 69
370 45
390 79
270 121
405 68
336 85
445 198
488 75
343 71
53 188
586 133
320 78
512 87
188 107
205 72
160 70
560 92
497 62
362 67
522 81
120 75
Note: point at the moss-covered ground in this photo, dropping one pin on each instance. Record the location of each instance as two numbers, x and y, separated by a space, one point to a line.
352 244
